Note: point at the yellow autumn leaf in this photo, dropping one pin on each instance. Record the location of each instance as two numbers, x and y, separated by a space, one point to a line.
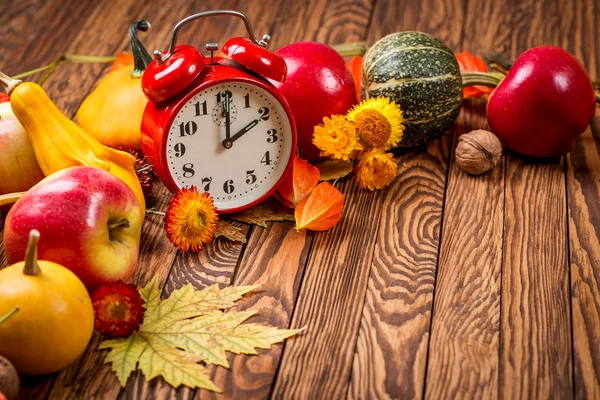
187 328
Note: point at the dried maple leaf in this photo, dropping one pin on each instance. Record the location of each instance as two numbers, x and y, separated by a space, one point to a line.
321 210
334 169
230 231
299 183
187 328
260 214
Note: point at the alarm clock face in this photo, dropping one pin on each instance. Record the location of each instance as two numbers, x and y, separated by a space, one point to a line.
233 140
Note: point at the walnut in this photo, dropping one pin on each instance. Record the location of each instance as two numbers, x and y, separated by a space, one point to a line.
478 151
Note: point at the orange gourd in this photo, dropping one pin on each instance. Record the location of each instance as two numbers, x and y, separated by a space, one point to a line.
113 112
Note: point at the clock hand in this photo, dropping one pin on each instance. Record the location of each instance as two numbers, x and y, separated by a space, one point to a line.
227 123
227 143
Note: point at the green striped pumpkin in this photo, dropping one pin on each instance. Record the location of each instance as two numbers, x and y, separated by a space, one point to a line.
421 74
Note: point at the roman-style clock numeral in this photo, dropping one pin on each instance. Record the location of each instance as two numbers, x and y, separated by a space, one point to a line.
266 158
272 135
264 113
179 149
250 177
221 96
201 108
228 186
188 170
187 128
206 183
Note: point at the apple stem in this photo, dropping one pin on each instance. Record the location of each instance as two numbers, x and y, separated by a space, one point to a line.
9 314
8 83
489 79
124 223
10 198
31 261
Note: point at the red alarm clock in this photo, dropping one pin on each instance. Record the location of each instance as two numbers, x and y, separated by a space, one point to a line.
218 123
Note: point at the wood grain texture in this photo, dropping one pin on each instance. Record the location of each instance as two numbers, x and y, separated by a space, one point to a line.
583 197
464 346
317 364
535 344
391 352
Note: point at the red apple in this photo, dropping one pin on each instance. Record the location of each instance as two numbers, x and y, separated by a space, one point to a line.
318 84
89 221
19 169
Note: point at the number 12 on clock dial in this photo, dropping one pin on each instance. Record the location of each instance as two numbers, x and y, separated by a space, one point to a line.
233 140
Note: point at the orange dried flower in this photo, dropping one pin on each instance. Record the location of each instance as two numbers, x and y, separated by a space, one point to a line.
118 309
336 138
191 220
376 170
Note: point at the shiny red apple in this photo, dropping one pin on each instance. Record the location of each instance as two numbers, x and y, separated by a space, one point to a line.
545 102
89 221
318 84
19 169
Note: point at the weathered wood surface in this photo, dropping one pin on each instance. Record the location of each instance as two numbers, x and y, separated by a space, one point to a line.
441 286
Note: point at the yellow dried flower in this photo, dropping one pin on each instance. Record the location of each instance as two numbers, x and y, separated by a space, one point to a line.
336 138
375 170
378 122
191 220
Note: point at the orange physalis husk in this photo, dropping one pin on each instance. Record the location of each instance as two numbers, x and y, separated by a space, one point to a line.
355 65
123 60
118 309
299 183
191 220
321 210
468 63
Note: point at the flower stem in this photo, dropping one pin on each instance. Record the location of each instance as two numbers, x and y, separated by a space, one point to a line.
153 211
65 58
9 314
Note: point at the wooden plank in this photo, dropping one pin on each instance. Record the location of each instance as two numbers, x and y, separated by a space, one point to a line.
464 346
583 194
275 258
391 351
535 344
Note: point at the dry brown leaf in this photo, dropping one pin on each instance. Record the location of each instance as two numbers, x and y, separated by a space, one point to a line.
333 169
260 214
230 231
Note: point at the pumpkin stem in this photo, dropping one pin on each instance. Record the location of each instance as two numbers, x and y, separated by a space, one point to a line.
31 261
8 83
141 58
10 198
489 79
351 49
9 314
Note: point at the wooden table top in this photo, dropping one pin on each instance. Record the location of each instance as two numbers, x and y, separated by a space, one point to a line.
442 285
